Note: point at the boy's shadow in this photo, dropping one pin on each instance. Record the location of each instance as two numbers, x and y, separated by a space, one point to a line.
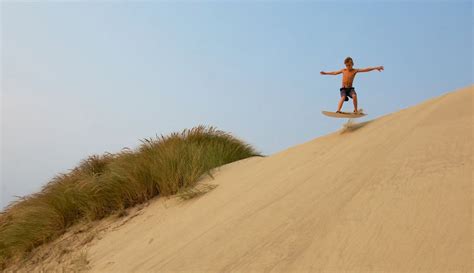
351 126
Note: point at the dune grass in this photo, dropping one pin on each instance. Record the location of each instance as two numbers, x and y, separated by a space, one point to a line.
105 184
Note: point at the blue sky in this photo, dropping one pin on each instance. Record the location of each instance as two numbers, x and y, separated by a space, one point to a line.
83 78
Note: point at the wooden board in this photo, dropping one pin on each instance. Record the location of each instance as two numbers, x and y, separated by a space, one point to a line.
344 114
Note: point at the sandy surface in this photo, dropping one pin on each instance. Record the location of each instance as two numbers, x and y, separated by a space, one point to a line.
390 195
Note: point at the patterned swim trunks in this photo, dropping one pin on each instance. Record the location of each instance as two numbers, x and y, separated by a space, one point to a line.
348 92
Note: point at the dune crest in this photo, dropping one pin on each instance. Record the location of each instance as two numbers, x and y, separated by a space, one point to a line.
389 195
394 195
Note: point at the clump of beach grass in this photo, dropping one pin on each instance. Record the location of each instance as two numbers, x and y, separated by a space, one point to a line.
105 184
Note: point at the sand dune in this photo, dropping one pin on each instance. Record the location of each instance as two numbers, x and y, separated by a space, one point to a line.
389 195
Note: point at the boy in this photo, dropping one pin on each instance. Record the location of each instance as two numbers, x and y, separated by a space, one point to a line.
348 75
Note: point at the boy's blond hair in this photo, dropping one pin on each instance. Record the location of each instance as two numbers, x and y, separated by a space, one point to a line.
348 59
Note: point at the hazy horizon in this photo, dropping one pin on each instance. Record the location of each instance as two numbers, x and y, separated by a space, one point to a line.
86 78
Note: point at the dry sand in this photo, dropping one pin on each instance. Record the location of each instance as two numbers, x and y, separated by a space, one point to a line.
389 195
393 195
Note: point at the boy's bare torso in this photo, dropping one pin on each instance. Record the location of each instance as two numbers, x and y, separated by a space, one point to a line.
348 77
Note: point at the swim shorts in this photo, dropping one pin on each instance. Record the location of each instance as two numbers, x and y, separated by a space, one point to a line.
348 92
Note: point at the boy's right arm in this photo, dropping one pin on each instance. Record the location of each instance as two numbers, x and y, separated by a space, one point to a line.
331 73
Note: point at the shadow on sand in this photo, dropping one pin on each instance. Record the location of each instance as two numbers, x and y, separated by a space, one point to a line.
351 126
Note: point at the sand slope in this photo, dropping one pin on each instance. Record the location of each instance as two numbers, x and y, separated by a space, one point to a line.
390 195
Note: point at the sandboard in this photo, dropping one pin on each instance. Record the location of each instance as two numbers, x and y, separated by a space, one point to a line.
344 114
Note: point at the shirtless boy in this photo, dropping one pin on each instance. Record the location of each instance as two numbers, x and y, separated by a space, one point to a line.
348 75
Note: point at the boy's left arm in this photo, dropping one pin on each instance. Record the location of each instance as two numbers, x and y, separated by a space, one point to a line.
379 68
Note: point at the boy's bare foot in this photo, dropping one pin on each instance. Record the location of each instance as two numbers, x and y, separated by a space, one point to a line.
356 111
338 111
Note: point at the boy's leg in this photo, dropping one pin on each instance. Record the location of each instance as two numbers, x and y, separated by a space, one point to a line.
341 101
354 99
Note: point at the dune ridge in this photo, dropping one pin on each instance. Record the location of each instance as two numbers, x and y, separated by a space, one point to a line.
393 195
390 195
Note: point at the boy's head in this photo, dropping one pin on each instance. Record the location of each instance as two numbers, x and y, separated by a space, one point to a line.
349 62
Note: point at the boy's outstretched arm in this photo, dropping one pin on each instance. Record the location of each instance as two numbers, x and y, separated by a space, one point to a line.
331 73
379 68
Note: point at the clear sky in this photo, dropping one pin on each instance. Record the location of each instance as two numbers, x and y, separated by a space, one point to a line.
84 78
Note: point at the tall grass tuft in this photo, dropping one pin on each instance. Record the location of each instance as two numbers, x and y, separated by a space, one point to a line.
106 184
